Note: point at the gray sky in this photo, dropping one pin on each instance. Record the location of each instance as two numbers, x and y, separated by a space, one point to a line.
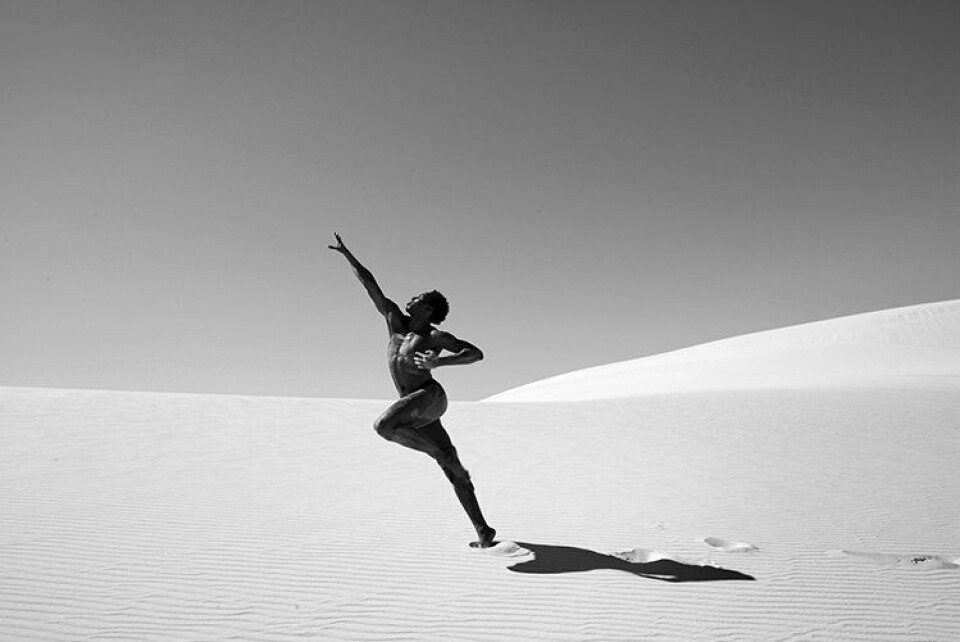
587 181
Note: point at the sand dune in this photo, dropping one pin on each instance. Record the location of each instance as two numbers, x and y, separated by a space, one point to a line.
890 346
749 515
801 513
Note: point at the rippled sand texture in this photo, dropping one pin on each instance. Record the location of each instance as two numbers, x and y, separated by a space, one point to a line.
774 515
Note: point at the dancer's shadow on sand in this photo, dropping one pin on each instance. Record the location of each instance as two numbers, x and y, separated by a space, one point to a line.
567 559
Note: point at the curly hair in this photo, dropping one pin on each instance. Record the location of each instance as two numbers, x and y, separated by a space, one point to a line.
439 304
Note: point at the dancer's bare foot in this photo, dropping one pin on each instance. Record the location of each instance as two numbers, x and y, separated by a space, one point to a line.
486 536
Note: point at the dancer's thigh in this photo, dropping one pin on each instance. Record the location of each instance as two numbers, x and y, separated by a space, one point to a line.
418 409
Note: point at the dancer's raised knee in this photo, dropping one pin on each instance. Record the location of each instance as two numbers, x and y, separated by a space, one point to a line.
384 428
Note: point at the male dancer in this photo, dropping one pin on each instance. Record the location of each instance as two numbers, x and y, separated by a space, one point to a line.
413 351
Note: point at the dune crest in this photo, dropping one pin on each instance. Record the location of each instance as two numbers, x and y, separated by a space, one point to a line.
915 342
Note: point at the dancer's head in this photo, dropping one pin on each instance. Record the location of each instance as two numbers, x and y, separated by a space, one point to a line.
432 305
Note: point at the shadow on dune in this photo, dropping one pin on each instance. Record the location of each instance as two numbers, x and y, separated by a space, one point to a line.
568 559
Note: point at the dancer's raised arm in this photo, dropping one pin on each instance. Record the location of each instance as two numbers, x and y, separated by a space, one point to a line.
385 306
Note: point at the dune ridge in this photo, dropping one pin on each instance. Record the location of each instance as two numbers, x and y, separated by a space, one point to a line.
901 345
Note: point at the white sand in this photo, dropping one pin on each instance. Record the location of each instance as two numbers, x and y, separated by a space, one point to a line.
898 346
134 516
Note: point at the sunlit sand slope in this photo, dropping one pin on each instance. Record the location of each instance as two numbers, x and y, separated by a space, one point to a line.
903 344
760 515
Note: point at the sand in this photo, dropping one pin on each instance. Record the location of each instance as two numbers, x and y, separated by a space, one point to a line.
902 346
792 513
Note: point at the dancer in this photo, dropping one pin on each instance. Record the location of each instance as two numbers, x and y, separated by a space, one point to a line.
414 350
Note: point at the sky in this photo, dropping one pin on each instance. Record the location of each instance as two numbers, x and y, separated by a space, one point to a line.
587 182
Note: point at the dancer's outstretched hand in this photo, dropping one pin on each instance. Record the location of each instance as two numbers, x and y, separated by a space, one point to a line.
339 247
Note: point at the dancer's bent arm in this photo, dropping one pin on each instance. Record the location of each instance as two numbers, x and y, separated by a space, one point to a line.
462 352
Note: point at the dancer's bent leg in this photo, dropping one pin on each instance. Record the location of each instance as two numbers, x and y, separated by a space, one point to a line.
413 421
402 422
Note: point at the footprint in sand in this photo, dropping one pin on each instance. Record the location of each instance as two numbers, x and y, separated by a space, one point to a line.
907 561
640 556
730 546
504 548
